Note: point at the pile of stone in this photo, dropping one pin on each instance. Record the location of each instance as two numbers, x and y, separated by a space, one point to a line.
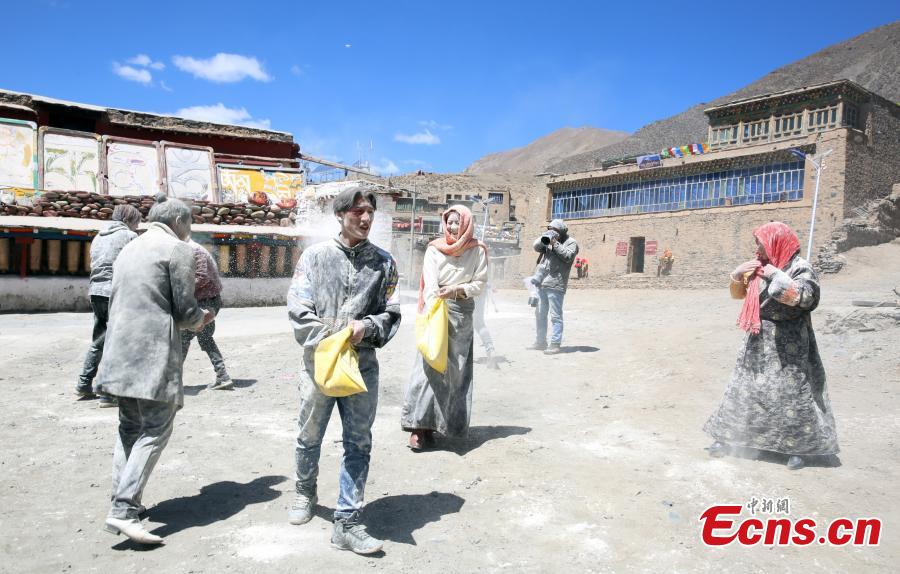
87 205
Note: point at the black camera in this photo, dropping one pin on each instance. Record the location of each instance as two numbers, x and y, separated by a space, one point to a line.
549 236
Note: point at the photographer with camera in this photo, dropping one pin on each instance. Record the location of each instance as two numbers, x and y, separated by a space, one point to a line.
558 252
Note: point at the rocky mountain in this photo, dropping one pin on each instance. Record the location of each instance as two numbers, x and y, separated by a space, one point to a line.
543 152
871 59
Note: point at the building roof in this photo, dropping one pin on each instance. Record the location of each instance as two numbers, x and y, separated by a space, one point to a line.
804 91
674 167
163 122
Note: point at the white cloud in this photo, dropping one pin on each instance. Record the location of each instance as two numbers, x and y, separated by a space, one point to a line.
221 114
296 70
164 86
223 68
348 45
129 73
385 167
433 125
420 138
144 61
416 164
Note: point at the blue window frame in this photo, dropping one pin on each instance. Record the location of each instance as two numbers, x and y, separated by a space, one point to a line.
757 184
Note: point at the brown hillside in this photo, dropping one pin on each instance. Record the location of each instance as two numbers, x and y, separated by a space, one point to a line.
871 59
543 152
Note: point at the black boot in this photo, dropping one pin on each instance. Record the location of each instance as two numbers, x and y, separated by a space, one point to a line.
795 462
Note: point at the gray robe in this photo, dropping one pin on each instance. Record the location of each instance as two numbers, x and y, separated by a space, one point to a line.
152 299
442 402
777 399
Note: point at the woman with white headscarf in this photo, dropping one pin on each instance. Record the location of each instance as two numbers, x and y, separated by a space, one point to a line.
456 270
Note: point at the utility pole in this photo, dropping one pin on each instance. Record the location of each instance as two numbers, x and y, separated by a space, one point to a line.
819 167
412 235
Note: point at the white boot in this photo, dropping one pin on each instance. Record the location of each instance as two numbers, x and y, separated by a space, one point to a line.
132 529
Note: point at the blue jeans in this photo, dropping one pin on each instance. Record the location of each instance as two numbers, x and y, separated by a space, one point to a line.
357 415
551 301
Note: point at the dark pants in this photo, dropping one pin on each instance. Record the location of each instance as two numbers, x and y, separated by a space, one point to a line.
100 305
205 337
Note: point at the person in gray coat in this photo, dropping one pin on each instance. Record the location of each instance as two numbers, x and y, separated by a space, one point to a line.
558 251
105 247
343 282
152 298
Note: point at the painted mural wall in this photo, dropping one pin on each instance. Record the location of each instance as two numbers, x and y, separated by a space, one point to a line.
18 154
237 184
132 169
189 173
71 163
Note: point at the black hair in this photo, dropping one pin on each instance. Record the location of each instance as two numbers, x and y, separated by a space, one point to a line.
346 199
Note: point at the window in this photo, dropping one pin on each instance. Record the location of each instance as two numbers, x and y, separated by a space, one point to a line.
724 135
822 119
495 198
756 130
790 124
757 184
851 116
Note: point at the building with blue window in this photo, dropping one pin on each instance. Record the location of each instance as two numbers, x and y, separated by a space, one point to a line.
702 201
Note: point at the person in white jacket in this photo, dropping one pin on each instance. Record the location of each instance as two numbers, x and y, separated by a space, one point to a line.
105 248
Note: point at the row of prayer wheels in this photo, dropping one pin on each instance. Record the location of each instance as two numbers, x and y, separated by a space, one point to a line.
255 259
74 257
77 259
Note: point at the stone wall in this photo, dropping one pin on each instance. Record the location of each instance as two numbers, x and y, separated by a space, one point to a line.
873 157
66 294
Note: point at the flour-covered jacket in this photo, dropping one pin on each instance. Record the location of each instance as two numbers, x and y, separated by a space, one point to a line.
105 248
152 299
334 284
209 284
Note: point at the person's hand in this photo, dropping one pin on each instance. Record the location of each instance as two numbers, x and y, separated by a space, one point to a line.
554 241
359 330
768 270
743 268
208 317
449 292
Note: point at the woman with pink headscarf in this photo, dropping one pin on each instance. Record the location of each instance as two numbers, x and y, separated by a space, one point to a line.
776 400
455 269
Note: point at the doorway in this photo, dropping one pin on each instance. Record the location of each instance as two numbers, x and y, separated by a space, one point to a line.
636 255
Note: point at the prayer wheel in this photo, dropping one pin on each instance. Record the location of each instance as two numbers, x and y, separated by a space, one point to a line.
54 250
240 258
265 255
296 251
73 256
34 255
280 253
4 255
87 255
224 263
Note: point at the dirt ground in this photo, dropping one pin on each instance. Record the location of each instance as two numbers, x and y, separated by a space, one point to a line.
589 461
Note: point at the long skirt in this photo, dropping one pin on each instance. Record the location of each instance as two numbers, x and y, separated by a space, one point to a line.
777 399
443 402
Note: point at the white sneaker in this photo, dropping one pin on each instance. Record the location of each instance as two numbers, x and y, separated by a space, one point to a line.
133 529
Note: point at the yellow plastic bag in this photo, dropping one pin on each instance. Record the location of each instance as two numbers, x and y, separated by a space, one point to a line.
337 366
432 332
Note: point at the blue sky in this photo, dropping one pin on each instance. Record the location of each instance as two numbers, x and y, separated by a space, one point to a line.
432 85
